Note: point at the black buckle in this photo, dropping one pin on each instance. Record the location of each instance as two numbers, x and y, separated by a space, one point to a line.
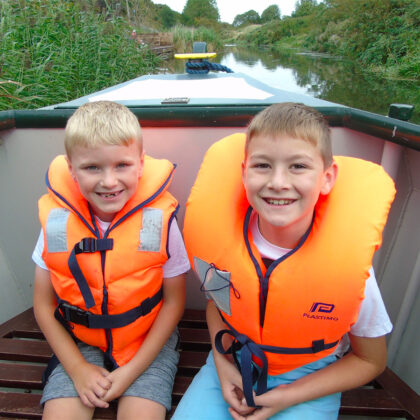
86 245
146 306
74 314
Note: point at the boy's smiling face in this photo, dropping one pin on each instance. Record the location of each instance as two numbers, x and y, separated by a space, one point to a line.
107 176
283 178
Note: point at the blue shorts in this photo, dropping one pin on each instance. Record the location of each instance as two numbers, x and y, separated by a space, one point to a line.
155 383
204 399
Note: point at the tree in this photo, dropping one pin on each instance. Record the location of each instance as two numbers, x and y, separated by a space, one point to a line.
271 13
247 18
167 16
195 10
304 8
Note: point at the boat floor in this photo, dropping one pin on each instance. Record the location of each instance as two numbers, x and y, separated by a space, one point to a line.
24 354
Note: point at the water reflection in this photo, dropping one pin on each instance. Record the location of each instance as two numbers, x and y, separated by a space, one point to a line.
323 77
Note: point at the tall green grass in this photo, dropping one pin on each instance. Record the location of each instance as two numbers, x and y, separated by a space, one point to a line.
53 51
184 37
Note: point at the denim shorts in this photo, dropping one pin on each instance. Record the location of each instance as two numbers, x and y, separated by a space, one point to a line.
155 383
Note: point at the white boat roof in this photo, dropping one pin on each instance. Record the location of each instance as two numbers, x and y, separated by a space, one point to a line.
195 89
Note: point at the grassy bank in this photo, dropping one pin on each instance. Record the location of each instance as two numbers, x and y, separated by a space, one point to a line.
55 50
383 36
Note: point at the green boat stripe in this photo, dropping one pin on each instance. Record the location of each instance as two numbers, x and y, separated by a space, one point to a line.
397 131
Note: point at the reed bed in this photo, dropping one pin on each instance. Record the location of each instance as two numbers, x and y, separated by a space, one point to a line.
52 51
184 37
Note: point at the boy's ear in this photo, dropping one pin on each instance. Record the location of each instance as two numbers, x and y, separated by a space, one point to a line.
70 166
243 170
141 165
330 176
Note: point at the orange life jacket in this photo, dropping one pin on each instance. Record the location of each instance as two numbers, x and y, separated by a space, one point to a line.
108 288
297 310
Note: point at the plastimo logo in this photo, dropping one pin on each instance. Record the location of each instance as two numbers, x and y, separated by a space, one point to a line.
322 307
319 310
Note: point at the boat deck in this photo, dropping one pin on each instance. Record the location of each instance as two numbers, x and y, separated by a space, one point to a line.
24 354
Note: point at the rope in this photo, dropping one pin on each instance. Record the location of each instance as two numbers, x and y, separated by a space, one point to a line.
205 66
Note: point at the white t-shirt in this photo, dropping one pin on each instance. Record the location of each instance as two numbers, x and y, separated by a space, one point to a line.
176 264
373 320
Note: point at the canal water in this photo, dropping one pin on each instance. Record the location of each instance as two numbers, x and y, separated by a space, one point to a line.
325 77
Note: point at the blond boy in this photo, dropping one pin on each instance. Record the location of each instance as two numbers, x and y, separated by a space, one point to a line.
284 254
109 281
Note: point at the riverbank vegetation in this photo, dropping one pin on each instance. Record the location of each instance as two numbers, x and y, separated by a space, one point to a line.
57 50
53 51
184 37
382 35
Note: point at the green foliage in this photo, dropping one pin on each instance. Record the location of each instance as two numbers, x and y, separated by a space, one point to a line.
381 35
184 37
196 10
54 51
275 31
167 16
251 17
376 33
271 13
304 8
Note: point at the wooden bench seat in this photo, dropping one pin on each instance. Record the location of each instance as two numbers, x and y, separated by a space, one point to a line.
24 354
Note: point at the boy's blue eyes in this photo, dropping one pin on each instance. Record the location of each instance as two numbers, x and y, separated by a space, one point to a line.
96 168
267 165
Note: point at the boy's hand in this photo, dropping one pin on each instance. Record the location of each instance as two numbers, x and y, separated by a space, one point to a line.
231 385
92 383
269 404
121 378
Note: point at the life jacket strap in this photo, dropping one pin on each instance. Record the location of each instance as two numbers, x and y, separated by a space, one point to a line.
86 245
70 313
93 245
249 349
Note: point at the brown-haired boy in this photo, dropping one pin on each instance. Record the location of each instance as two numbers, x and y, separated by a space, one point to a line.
284 253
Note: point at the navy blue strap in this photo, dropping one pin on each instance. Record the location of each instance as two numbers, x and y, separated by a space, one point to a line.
93 245
86 245
76 315
249 349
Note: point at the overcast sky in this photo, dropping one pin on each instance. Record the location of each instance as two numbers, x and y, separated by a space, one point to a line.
228 9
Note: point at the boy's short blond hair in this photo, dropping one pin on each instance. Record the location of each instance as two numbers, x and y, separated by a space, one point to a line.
102 123
295 120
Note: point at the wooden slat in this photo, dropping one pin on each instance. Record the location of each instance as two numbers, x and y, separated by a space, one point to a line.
194 315
390 396
25 321
375 402
20 405
406 396
24 350
21 376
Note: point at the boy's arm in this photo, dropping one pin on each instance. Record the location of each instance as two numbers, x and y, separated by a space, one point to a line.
366 361
90 381
229 376
167 319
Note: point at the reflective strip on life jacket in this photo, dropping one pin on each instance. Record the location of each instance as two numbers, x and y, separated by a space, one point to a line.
56 230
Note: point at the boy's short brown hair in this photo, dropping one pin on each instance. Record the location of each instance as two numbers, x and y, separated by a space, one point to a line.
295 120
101 123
